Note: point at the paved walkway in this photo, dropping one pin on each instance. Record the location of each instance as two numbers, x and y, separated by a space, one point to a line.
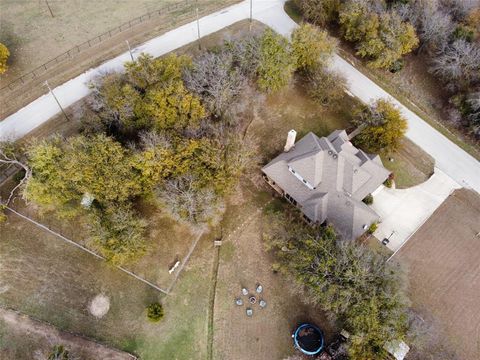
451 159
403 211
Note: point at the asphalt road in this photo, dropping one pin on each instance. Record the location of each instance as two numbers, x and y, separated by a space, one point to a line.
450 158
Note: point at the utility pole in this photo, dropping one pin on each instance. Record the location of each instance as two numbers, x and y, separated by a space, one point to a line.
48 5
198 29
251 16
130 50
58 103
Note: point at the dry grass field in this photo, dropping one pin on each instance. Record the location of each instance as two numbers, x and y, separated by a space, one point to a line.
21 336
34 36
444 270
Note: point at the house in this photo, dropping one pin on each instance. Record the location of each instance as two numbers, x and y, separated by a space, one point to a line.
327 178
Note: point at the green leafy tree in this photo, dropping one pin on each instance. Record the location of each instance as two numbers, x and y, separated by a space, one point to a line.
311 47
59 353
383 127
146 71
4 54
150 95
172 107
276 64
381 37
63 171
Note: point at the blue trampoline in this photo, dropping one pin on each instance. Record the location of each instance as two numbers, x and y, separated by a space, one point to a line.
308 339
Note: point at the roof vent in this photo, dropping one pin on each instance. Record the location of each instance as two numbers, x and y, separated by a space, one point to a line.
335 156
330 152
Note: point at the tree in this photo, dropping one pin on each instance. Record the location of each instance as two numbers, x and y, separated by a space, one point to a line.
4 54
383 127
320 12
433 26
146 71
275 67
187 202
458 64
311 47
118 232
171 107
326 86
63 171
383 38
473 112
8 156
245 54
59 353
115 101
216 79
349 280
155 312
150 95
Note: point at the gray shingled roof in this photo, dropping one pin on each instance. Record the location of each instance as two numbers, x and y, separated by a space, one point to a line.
341 176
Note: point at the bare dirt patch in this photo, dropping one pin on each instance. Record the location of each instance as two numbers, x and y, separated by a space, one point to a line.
99 306
444 270
22 337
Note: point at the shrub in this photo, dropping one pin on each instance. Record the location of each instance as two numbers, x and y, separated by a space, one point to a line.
155 312
368 199
3 217
372 228
58 353
4 54
388 183
397 66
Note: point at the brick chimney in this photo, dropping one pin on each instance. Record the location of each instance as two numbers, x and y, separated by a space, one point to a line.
292 134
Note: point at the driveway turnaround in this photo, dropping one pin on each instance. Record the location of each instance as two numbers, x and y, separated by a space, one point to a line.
403 211
450 158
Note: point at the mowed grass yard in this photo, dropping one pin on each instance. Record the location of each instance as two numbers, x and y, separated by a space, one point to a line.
444 272
53 281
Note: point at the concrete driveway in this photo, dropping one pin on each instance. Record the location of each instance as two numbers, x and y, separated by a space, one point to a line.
403 211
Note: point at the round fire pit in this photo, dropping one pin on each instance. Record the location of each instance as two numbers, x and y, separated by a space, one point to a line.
252 299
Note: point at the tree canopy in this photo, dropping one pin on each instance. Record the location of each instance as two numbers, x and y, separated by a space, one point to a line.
276 64
383 127
311 47
4 54
350 281
383 38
